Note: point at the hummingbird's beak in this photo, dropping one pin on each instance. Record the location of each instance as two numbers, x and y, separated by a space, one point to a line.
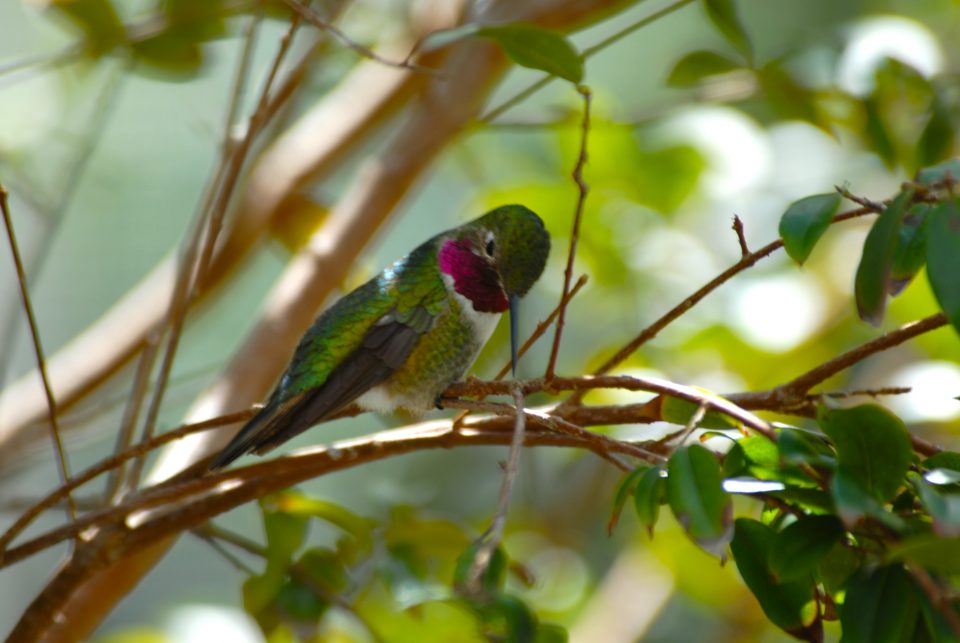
514 332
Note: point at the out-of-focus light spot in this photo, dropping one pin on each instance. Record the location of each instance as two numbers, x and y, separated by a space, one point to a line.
778 312
737 151
29 113
934 388
202 623
872 40
843 248
561 579
942 476
752 485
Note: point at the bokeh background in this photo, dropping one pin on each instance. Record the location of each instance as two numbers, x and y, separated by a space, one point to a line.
105 159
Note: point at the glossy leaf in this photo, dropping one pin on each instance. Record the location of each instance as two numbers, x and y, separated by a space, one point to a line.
783 603
837 567
537 48
943 258
881 606
805 221
698 65
873 446
911 251
799 548
943 460
723 14
944 508
797 446
648 495
853 502
873 273
696 496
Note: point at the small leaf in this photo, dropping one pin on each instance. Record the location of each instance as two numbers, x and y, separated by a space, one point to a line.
944 509
648 495
797 446
696 496
873 446
99 21
936 141
783 603
798 549
837 566
623 492
939 172
537 48
723 14
881 605
943 460
698 65
285 533
911 251
506 618
873 273
299 504
943 258
805 221
735 461
853 502
551 633
877 133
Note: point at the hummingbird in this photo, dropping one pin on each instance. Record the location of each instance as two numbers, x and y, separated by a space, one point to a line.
400 339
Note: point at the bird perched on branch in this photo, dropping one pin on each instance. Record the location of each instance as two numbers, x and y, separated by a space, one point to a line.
400 339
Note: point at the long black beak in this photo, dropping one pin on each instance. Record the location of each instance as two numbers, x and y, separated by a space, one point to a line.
514 332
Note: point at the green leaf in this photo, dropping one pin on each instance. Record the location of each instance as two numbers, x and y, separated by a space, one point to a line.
799 548
99 21
877 133
873 273
285 535
873 446
623 492
723 14
939 555
299 504
698 65
853 502
881 607
797 446
805 221
298 602
696 496
939 172
537 48
943 258
936 141
648 495
734 462
783 603
837 566
944 508
943 460
911 251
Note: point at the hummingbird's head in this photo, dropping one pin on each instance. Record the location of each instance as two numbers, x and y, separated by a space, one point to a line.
494 261
497 257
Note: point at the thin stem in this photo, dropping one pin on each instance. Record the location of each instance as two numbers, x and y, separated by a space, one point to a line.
490 540
582 188
63 465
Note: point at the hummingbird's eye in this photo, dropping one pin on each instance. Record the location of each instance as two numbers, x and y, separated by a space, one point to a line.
490 247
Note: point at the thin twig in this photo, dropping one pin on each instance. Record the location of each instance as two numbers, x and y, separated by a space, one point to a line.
63 465
490 540
582 188
873 206
741 238
225 553
525 93
314 19
677 311
199 251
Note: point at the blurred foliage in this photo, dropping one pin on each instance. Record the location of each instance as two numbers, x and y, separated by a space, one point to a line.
838 528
